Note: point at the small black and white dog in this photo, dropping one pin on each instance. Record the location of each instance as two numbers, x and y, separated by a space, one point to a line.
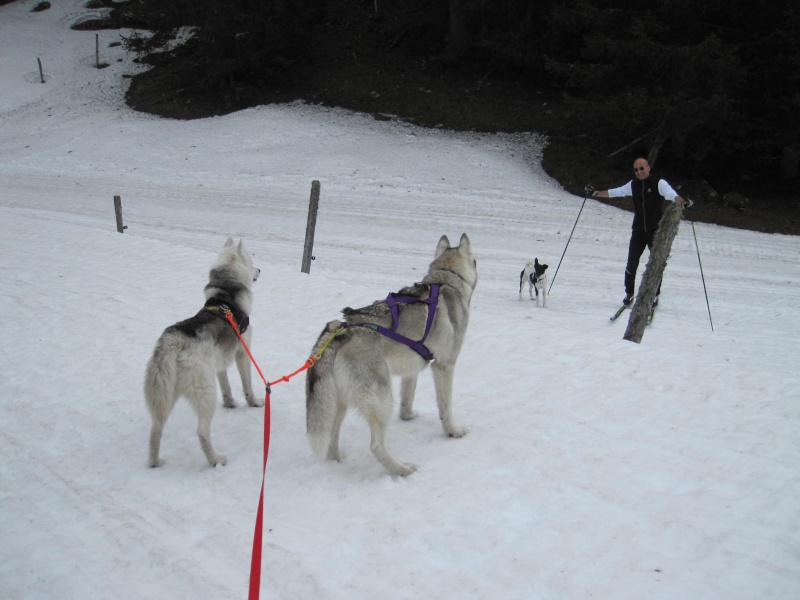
534 274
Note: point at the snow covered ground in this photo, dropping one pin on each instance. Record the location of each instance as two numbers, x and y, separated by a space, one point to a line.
594 467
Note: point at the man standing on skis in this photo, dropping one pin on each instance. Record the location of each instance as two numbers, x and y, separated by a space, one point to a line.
648 193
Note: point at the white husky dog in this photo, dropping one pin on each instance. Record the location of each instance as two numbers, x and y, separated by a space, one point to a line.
190 355
398 336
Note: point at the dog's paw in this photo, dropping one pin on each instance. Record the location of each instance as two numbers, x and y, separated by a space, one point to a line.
220 460
405 469
154 464
456 432
335 454
227 401
253 401
408 415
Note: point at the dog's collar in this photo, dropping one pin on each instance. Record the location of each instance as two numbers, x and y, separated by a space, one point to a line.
219 307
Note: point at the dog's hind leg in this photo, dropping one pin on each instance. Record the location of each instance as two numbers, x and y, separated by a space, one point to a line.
204 435
338 418
408 387
160 397
443 382
203 398
378 418
373 397
156 430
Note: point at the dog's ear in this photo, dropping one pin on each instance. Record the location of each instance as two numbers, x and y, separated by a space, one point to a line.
444 244
242 252
229 242
544 267
465 247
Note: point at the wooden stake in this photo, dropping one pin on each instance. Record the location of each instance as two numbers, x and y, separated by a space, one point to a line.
308 248
118 213
41 72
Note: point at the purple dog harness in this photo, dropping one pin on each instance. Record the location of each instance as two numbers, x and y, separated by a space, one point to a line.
392 300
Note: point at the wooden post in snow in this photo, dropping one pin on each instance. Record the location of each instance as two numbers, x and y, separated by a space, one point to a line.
118 213
662 244
41 72
97 50
311 225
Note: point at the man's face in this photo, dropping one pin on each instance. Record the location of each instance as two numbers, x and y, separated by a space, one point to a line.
641 168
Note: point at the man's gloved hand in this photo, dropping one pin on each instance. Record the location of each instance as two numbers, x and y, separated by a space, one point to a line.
590 190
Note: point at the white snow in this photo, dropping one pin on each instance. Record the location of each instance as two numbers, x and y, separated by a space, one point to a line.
594 467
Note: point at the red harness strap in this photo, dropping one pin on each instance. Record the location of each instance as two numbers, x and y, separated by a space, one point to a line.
258 533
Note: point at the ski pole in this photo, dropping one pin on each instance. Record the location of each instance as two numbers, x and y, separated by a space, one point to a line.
702 276
568 241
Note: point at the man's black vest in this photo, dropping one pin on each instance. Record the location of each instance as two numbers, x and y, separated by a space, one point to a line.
647 204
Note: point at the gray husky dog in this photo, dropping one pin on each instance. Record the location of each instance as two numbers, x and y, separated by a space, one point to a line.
190 355
399 336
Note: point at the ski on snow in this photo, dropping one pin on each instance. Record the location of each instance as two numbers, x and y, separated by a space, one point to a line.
622 308
619 312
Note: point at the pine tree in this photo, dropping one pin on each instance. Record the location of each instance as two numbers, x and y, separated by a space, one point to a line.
639 73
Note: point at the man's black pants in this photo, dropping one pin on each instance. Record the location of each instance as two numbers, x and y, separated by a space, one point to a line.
639 241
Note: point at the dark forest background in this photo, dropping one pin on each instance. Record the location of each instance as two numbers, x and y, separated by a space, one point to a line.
708 91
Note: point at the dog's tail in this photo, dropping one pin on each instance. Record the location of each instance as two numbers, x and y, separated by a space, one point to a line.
161 380
321 392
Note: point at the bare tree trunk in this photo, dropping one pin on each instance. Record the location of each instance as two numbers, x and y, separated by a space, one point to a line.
677 144
662 244
658 142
